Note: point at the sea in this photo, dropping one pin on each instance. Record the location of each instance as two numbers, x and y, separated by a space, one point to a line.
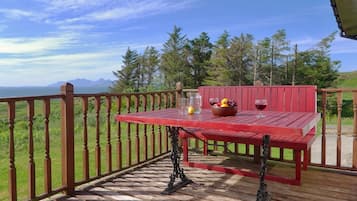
7 92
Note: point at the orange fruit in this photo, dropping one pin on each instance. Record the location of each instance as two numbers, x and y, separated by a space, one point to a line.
224 101
190 110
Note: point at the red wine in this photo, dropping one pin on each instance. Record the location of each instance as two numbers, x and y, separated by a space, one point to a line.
260 106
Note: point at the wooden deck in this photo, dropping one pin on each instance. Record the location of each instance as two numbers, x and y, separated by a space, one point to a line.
147 182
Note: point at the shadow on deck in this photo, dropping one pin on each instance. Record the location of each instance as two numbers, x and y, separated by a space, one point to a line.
146 183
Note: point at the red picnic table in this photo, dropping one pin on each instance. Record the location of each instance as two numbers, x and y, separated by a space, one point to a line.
278 124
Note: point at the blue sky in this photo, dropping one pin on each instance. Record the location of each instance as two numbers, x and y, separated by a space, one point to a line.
45 41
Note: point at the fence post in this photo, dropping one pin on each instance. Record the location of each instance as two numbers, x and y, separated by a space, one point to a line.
178 92
67 130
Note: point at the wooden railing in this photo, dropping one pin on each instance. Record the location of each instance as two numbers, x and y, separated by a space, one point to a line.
88 146
68 139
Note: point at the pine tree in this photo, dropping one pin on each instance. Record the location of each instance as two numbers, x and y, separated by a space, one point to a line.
217 72
199 55
128 77
173 61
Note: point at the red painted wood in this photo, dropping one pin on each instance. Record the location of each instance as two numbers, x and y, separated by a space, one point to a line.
243 121
284 120
218 168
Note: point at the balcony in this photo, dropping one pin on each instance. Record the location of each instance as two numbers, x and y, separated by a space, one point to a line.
68 147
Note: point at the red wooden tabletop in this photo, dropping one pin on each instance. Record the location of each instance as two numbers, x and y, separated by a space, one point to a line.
292 123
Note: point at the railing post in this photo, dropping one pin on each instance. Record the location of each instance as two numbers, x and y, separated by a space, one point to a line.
178 92
323 131
67 128
354 149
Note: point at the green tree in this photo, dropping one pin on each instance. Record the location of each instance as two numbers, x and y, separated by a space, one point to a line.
263 63
240 60
279 51
217 72
199 52
315 65
128 76
150 65
173 60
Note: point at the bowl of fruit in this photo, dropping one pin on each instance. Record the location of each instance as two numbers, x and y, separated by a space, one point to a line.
224 107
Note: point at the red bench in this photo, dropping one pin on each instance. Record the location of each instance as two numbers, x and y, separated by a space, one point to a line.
280 98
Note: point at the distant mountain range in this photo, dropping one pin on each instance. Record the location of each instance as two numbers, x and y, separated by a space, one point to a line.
85 83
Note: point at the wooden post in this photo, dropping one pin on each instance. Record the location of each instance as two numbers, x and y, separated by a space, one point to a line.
339 113
67 128
323 132
354 156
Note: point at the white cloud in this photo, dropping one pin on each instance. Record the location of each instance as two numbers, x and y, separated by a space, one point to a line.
16 13
130 10
35 45
52 68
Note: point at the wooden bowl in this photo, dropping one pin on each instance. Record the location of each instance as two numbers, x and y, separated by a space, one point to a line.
224 111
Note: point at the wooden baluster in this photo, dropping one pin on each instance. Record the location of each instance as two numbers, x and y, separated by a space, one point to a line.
109 146
31 165
247 150
47 160
166 138
128 151
281 155
119 143
153 128
12 167
145 130
339 111
172 104
85 138
137 139
97 136
354 152
323 131
160 128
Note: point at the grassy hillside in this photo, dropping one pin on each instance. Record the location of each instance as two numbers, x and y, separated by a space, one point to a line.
347 80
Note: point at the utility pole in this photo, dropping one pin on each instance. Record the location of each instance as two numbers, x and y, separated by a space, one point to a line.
295 65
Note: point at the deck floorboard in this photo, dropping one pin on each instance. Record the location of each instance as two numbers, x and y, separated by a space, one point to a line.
147 182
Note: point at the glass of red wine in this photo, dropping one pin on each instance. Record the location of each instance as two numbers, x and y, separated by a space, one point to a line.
213 101
261 104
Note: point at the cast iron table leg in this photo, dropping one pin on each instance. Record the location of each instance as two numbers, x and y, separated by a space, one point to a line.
175 158
262 194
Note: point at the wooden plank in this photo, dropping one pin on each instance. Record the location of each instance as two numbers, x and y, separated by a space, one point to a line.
147 182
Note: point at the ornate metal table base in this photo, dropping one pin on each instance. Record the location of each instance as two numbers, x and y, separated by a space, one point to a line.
262 194
175 158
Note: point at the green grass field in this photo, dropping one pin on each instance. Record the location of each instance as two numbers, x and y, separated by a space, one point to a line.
347 80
